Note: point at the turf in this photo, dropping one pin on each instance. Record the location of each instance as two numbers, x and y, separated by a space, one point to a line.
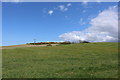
84 60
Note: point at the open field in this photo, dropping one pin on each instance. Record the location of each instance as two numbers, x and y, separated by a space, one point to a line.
24 45
84 60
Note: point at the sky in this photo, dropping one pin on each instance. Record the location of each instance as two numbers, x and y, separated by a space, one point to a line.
59 21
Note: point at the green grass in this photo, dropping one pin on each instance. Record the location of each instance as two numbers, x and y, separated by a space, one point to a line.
85 60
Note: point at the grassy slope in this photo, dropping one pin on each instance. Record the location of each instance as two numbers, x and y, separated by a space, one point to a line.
93 60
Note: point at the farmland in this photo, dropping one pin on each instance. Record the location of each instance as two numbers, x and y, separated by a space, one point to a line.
83 60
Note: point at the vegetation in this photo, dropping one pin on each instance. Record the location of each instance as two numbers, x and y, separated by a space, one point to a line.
49 45
41 43
92 60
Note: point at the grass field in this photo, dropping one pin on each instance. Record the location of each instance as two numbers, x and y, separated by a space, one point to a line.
84 60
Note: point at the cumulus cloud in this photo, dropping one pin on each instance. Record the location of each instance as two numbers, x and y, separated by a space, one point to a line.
50 12
103 28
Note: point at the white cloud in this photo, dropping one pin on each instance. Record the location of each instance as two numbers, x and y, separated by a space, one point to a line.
69 4
63 8
50 12
60 7
104 27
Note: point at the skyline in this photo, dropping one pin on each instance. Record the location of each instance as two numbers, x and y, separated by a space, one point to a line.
55 21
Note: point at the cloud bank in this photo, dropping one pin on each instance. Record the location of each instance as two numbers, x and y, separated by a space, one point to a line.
104 28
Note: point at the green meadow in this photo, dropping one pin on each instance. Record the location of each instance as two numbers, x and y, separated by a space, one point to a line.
83 60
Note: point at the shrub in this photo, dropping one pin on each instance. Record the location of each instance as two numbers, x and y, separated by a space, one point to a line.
85 42
49 45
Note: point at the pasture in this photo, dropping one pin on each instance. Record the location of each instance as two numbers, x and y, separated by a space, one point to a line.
83 60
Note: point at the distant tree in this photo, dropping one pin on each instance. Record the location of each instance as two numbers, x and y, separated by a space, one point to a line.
66 42
85 42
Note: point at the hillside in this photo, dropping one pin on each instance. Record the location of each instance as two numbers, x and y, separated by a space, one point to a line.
23 46
84 60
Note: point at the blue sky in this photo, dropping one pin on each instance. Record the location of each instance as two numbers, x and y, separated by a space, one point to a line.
45 21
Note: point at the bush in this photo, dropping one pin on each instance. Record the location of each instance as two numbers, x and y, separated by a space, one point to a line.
49 45
85 42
